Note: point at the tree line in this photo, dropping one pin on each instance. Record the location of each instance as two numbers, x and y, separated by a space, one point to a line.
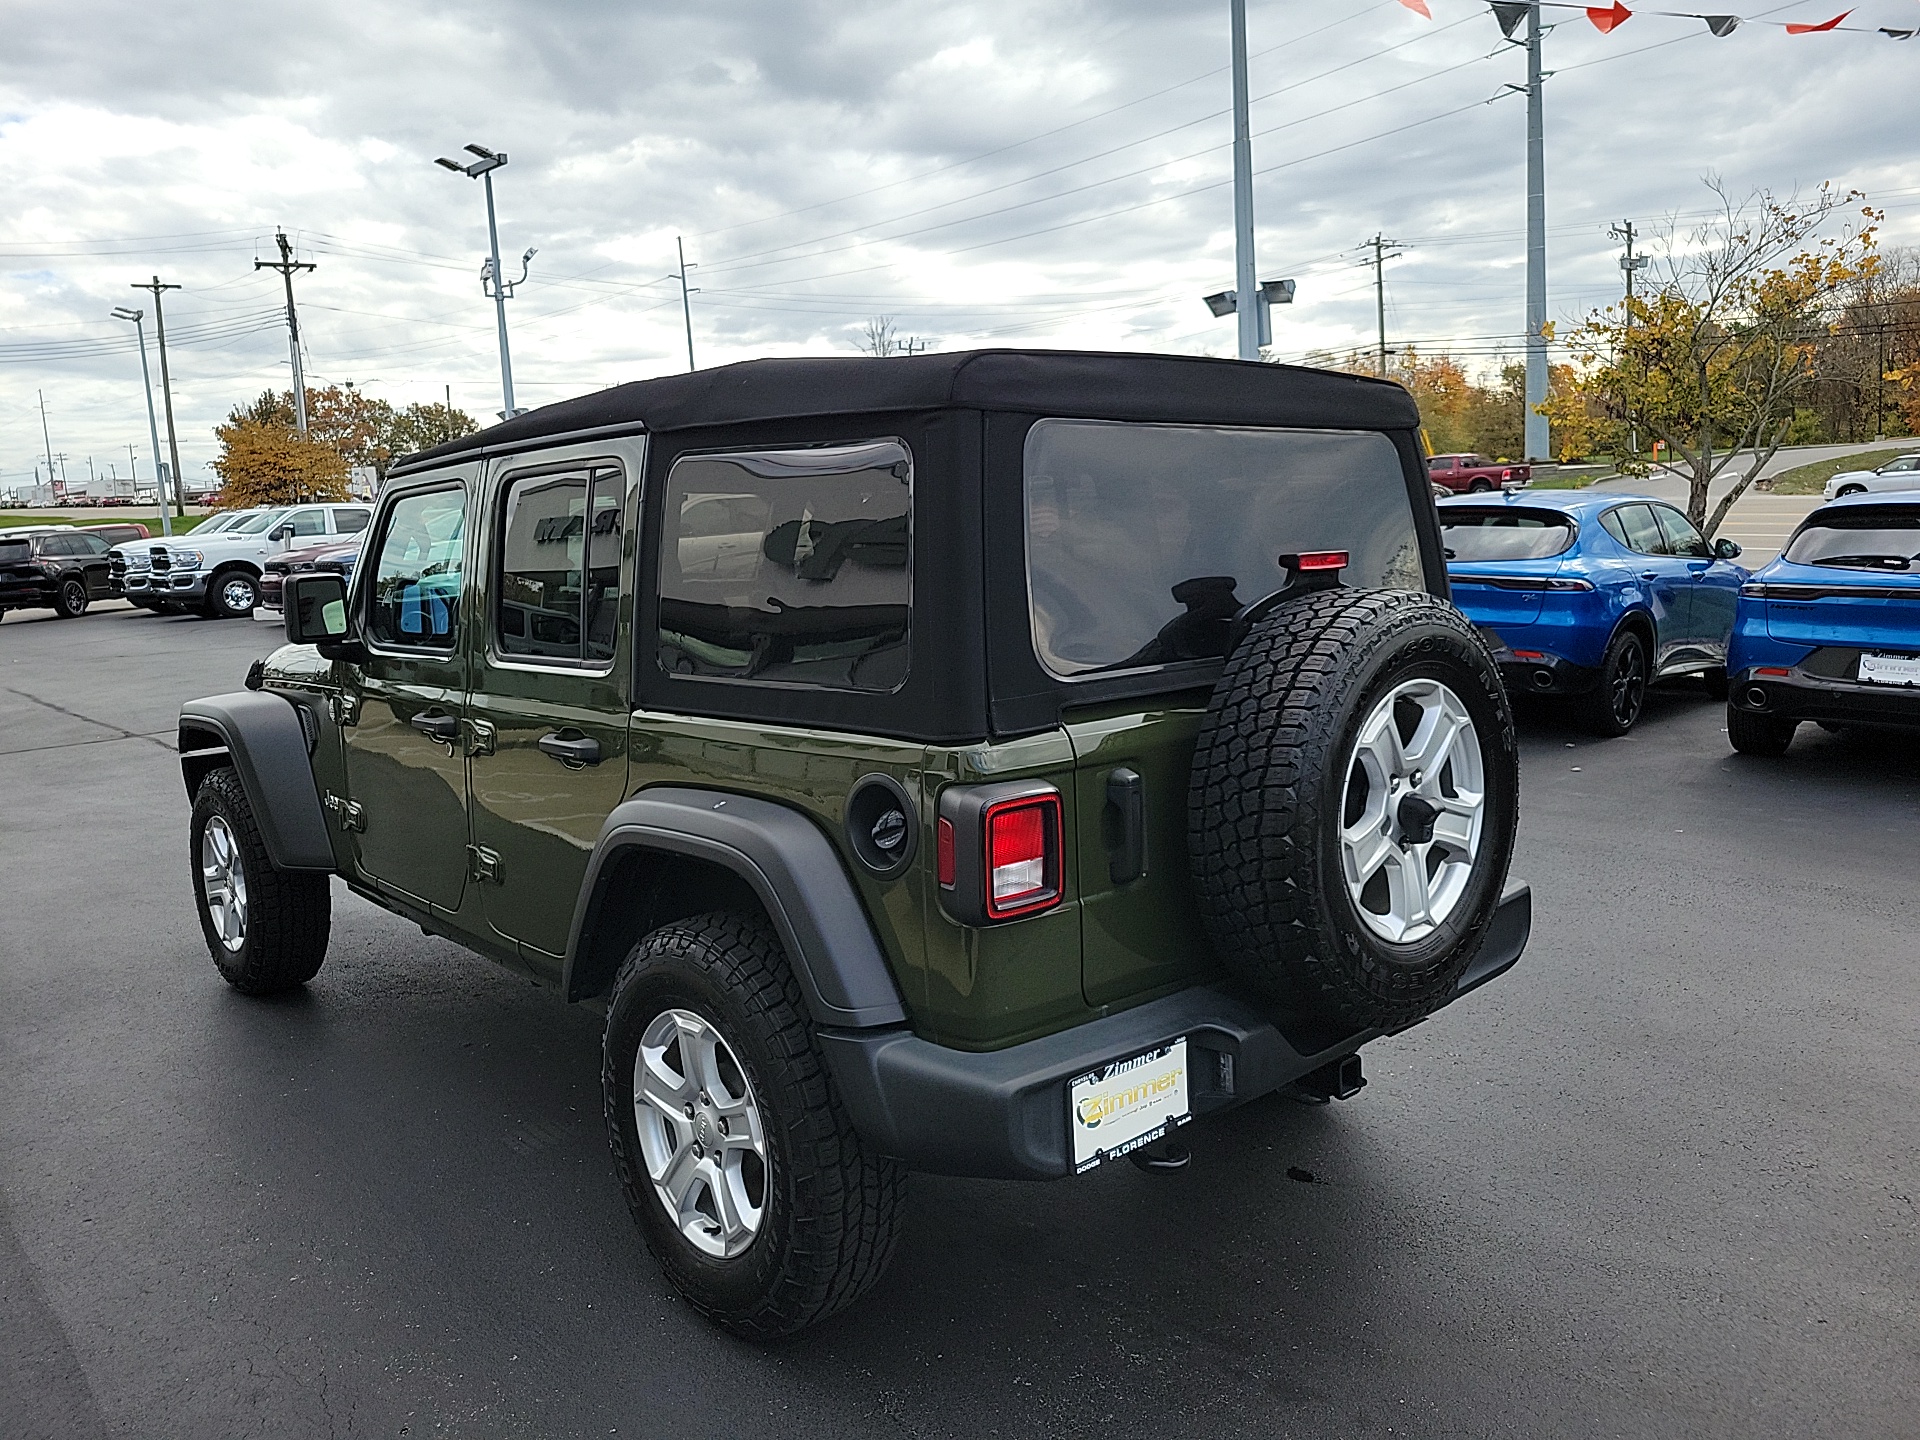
265 459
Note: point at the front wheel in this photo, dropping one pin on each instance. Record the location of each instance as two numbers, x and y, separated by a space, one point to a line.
265 928
1752 734
70 599
1614 706
233 595
1846 490
752 1189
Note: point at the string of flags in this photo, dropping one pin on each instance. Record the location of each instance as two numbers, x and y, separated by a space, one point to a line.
1608 18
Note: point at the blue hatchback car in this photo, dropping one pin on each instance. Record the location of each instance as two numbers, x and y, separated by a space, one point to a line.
1830 631
1592 595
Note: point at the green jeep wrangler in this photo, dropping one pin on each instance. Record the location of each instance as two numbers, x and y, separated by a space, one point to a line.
980 763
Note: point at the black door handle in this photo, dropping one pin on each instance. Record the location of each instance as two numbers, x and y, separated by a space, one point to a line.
572 750
1124 826
436 726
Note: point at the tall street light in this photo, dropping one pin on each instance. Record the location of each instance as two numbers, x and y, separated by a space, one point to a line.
122 312
493 280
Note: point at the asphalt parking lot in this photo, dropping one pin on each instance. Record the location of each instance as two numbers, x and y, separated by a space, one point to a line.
1658 1181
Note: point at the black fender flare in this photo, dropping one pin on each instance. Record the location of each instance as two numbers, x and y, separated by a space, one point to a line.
792 868
260 735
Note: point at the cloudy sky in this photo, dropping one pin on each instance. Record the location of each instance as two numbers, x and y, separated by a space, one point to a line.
1051 172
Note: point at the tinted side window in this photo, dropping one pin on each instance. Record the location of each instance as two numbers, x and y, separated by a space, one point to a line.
789 565
84 544
351 520
1144 540
1634 527
415 596
560 564
1681 537
306 522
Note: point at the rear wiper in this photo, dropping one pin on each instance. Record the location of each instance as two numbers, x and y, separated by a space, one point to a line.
1882 562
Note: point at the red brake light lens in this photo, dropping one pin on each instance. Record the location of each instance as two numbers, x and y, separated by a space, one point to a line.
1023 856
1772 670
1324 560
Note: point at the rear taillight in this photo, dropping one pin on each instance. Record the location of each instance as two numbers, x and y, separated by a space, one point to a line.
1023 856
1321 560
1778 671
999 850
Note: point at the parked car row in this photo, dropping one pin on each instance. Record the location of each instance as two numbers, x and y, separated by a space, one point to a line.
219 569
1589 598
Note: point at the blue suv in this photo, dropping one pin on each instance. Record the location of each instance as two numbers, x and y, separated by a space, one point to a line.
1830 631
1592 596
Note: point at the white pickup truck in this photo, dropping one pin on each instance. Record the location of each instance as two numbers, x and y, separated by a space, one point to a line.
217 570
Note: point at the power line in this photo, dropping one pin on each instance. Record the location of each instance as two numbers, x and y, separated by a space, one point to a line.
286 265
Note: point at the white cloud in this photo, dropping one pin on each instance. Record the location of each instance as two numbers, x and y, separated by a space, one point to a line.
992 173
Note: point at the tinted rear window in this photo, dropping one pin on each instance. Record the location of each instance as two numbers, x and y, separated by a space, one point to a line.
15 552
1860 540
791 566
1143 539
1503 534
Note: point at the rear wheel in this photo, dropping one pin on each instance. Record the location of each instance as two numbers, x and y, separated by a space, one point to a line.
265 928
232 595
1752 734
1614 705
751 1187
1353 802
1480 487
1716 682
70 598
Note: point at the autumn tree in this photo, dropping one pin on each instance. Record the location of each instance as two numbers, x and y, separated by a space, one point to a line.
269 462
1715 353
421 427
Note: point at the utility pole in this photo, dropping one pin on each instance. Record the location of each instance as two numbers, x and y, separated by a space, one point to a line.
166 395
1381 255
686 306
122 312
1629 263
286 265
1537 438
58 487
1244 285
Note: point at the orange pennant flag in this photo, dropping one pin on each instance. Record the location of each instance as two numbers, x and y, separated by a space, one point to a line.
1609 20
1823 25
1419 7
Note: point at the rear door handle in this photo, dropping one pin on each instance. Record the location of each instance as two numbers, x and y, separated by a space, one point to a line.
571 750
437 726
1649 574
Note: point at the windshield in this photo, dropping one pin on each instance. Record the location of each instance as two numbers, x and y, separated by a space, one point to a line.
1144 541
1479 535
1866 539
221 522
258 522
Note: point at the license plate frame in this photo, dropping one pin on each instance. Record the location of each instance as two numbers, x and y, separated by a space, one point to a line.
1897 670
1128 1103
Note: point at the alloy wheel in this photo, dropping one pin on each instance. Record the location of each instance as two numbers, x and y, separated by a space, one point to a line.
1413 811
238 595
1627 683
224 880
701 1134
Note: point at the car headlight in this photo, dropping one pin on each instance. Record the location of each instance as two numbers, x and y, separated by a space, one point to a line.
185 559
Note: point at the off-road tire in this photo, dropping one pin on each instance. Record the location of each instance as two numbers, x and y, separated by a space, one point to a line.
1752 734
1618 700
70 598
289 913
833 1207
1268 787
218 605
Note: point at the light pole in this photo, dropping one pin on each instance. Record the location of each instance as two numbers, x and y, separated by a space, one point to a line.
1244 284
122 312
493 281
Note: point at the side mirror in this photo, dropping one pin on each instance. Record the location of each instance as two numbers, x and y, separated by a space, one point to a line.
315 606
1726 550
280 532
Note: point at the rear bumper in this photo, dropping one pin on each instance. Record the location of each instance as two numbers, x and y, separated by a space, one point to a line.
26 595
1549 675
1002 1114
1838 702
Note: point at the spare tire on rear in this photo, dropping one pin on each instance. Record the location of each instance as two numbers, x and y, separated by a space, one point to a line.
1351 813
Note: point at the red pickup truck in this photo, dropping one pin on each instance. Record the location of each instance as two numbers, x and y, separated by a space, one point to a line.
1462 474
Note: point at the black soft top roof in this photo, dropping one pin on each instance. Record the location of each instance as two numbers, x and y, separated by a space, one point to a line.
1098 385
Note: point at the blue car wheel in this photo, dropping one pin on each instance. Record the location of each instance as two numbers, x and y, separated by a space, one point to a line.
1614 705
